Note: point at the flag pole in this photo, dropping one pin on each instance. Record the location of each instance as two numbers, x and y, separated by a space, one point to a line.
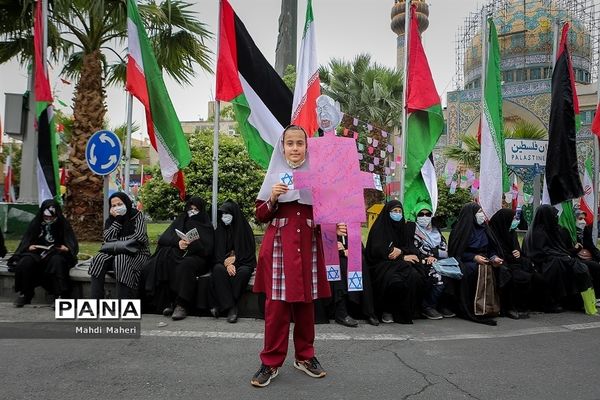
484 43
128 143
215 177
404 91
596 178
45 34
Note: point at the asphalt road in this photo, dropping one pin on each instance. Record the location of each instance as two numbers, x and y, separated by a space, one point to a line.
544 357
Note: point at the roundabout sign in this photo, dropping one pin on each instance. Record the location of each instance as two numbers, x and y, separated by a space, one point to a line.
103 152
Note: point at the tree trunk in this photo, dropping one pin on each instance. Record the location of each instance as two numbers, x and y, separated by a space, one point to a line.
84 191
285 52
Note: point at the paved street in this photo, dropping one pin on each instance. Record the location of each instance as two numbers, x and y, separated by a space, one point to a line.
545 357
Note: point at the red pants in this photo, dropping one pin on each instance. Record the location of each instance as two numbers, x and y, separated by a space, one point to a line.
277 329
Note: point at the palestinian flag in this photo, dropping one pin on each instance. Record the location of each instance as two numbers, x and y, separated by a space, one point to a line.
47 162
425 125
145 82
587 201
562 174
308 85
261 101
492 161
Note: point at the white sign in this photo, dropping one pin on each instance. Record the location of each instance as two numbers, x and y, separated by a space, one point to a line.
525 153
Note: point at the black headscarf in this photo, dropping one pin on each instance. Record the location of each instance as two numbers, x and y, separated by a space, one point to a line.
126 221
462 230
386 234
237 236
543 238
505 237
60 230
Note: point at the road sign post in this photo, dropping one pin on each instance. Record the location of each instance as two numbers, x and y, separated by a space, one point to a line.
103 154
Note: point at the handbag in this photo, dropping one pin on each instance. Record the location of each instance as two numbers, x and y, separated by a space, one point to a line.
128 246
448 267
487 299
585 255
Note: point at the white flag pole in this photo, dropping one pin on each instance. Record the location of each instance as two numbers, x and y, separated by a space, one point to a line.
407 14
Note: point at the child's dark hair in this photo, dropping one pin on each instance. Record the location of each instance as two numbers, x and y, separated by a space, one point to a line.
291 128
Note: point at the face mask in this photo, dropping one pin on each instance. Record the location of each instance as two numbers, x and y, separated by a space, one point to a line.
193 212
294 165
514 224
480 218
49 221
227 218
423 222
580 223
396 216
121 210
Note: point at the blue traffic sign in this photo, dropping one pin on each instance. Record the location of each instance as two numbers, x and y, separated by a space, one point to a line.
103 152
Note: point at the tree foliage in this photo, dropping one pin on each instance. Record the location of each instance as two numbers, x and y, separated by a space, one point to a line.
239 178
449 205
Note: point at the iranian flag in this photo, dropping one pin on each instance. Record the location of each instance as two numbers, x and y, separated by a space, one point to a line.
145 82
47 161
308 86
425 125
587 201
261 101
494 182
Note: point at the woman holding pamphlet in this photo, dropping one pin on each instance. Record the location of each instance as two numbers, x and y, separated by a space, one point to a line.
46 253
124 250
184 252
235 256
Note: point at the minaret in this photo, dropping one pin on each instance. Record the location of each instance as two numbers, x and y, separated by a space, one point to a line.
397 25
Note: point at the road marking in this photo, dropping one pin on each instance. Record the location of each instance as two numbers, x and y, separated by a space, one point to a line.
381 337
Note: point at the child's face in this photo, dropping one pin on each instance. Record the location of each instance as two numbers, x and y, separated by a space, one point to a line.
294 145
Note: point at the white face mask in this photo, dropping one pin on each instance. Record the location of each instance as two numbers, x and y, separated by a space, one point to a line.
192 212
423 222
580 223
480 218
120 210
227 218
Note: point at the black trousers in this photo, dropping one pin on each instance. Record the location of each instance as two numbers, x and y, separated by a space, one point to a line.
182 279
51 272
97 286
226 291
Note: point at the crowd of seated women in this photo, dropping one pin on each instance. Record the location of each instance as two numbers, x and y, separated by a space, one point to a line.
555 268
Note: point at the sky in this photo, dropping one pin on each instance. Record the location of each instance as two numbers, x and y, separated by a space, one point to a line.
345 28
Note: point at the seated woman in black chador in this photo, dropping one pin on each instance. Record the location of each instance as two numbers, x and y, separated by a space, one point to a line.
124 225
586 250
391 256
432 246
515 274
235 256
471 243
170 275
46 253
564 275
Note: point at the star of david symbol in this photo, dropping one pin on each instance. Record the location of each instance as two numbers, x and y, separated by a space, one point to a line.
333 274
355 281
287 179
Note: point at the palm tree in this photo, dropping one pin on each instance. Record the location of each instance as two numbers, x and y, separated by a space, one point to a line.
366 90
89 36
467 154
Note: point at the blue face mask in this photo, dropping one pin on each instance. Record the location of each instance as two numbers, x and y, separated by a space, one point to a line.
514 224
396 216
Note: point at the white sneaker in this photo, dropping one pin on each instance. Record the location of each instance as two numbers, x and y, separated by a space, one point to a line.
387 318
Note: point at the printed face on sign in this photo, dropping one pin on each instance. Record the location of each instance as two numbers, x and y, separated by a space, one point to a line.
287 179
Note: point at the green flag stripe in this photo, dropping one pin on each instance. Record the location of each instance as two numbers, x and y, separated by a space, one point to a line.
259 150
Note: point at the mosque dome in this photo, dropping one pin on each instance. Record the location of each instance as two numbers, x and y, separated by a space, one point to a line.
398 17
525 31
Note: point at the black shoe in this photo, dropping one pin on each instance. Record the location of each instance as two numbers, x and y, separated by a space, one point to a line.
347 321
431 313
263 376
446 313
512 314
311 367
214 312
371 320
168 311
21 300
553 309
232 315
179 313
523 315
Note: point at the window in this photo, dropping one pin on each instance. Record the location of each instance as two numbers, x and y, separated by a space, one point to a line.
535 73
508 76
520 75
